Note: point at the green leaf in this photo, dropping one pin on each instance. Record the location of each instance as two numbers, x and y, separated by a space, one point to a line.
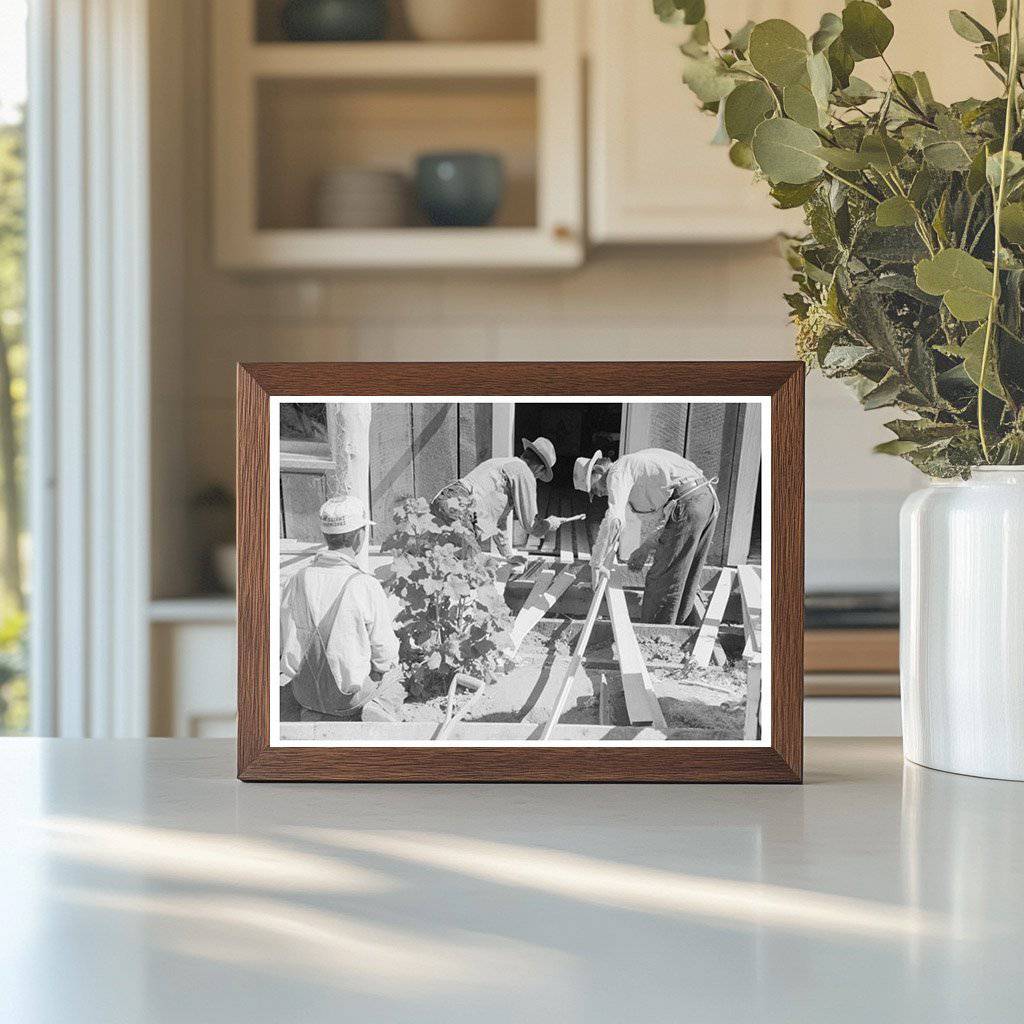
895 447
689 12
779 51
923 431
971 351
883 152
963 281
707 78
787 151
976 173
1012 224
801 106
922 185
788 196
819 75
885 394
993 167
741 155
841 62
857 91
739 41
924 87
844 159
969 28
999 9
745 108
895 212
866 29
947 156
829 30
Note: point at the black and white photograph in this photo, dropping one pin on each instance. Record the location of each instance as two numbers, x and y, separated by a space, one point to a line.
519 571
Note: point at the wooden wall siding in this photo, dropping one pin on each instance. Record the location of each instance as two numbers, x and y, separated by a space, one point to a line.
475 424
417 448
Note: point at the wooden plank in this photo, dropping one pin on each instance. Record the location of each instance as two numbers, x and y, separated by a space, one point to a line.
641 701
750 596
751 718
603 711
391 478
747 482
711 443
435 443
544 596
576 661
565 552
704 646
579 529
474 435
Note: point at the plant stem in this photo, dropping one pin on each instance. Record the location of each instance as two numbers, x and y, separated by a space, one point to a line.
1011 108
853 185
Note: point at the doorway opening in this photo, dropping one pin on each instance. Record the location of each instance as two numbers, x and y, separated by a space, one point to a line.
574 429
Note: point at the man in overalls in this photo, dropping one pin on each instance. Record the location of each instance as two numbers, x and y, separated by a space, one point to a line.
677 507
339 652
490 493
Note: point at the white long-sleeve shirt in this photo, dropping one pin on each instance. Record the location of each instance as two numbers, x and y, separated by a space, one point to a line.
358 636
642 484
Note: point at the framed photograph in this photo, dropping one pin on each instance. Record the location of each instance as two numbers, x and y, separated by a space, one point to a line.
520 571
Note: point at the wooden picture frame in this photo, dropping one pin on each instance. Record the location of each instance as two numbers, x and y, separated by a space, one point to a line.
778 759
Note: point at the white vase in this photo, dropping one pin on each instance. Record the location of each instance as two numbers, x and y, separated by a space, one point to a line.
962 624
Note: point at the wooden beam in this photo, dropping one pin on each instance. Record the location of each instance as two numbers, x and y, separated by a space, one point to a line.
704 646
750 597
546 592
565 531
641 701
744 497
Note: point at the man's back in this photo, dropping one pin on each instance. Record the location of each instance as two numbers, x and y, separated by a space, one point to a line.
335 628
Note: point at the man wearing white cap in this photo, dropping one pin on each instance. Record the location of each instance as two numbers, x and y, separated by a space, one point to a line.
339 652
677 508
498 488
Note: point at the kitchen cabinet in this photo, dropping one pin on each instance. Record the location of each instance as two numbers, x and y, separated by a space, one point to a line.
287 114
653 175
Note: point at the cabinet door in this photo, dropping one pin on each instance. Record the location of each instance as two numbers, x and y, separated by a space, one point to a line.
654 176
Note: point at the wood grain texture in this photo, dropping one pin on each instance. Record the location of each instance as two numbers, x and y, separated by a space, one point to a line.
779 762
852 650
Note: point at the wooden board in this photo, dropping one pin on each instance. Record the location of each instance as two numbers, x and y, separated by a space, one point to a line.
711 438
565 531
641 701
391 454
474 435
750 596
544 596
435 429
704 647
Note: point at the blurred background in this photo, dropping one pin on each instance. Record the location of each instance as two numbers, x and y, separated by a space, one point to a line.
257 180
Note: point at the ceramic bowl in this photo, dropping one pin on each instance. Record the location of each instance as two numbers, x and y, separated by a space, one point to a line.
460 189
332 21
470 20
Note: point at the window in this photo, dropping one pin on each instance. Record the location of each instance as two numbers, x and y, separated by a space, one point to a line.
14 695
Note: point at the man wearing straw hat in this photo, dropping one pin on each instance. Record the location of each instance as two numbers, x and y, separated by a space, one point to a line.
490 493
677 508
339 652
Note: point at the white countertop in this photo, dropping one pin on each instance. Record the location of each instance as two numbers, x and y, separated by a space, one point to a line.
140 882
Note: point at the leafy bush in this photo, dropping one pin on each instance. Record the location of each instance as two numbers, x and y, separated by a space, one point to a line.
901 289
451 617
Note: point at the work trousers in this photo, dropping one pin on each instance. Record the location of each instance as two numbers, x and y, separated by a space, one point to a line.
682 550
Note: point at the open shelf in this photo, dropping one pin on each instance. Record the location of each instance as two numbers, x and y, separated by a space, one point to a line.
285 114
389 60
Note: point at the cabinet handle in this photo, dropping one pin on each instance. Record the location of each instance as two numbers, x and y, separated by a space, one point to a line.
562 232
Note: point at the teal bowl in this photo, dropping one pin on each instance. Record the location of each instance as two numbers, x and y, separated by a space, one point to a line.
462 190
334 21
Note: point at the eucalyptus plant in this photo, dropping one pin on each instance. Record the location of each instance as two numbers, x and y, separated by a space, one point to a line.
910 277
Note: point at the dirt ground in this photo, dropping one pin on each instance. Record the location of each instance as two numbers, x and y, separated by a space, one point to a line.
690 696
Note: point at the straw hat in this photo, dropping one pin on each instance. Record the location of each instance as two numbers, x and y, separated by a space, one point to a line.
545 451
583 470
343 515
